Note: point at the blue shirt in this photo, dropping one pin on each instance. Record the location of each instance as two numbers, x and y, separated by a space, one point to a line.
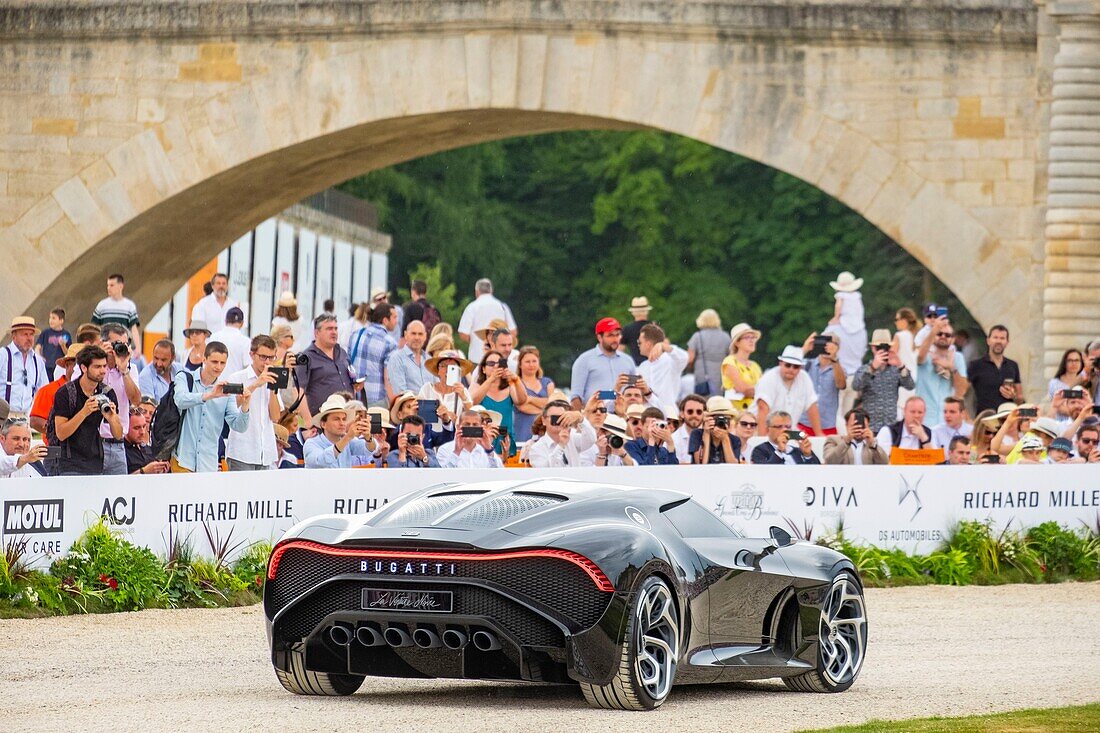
595 369
320 453
370 347
650 455
394 462
828 396
405 373
197 449
934 388
151 383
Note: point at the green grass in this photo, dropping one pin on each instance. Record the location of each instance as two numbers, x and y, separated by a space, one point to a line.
1064 720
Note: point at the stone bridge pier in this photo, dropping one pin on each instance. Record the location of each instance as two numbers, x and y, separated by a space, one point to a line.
144 136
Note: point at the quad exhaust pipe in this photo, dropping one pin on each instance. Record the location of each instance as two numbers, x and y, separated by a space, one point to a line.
340 635
426 639
485 642
454 639
397 637
369 636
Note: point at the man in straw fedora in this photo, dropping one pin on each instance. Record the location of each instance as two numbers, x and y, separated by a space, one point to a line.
22 371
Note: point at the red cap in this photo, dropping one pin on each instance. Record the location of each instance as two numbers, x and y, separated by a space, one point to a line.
607 325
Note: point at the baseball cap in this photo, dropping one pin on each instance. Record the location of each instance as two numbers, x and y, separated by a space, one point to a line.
234 315
1062 444
607 325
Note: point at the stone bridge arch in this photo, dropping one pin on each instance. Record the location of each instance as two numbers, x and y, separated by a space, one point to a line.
933 142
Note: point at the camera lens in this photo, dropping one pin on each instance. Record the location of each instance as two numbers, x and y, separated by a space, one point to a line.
301 360
615 441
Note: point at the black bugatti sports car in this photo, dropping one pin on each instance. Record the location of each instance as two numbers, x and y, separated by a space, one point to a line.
624 591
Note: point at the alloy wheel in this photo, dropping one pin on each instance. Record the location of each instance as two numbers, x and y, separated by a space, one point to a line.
658 641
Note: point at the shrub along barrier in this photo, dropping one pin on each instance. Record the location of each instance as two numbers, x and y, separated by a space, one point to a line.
104 572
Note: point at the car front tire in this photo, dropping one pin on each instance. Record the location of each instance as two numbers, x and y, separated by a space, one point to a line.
648 654
302 681
842 639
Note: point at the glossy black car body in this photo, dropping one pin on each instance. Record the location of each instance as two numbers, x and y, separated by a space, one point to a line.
547 568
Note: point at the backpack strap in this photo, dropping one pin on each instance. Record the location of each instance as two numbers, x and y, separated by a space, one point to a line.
7 386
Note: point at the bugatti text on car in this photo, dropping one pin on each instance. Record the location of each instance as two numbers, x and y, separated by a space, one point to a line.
623 591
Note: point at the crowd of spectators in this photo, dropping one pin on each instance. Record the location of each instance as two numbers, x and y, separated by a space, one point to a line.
391 387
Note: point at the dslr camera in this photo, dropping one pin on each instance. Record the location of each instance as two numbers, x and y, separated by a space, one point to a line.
121 348
301 360
722 421
104 402
615 441
412 439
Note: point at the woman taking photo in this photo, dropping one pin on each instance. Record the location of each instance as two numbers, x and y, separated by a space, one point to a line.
538 388
740 373
706 349
450 393
498 389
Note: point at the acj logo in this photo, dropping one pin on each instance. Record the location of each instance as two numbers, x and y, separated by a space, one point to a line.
119 510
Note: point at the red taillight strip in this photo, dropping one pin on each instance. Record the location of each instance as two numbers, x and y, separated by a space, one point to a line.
580 561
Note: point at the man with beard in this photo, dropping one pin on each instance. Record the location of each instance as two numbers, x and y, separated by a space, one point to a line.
213 308
692 408
600 367
78 412
157 375
941 370
995 377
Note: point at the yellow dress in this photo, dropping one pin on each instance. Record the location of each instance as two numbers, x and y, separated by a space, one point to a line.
750 373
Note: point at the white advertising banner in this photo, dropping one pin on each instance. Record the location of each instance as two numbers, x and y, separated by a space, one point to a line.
341 277
307 272
240 277
263 277
911 508
323 287
284 258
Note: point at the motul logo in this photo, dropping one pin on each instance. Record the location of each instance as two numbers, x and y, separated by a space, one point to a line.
32 517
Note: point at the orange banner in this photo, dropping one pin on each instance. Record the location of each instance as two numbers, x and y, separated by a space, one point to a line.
916 457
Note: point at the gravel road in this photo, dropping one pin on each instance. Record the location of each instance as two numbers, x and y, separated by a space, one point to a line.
933 651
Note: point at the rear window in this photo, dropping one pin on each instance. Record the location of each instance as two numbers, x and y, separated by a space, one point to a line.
693 520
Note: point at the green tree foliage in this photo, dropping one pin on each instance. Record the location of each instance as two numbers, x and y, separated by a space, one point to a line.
570 226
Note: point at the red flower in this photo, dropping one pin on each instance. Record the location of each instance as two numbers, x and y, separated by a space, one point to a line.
259 581
102 577
113 583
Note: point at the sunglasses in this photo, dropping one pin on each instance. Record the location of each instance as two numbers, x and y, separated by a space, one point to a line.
744 424
1087 441
495 363
599 409
634 421
796 367
946 334
693 412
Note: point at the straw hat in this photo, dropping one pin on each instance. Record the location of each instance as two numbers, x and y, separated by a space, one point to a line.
1047 426
846 282
335 403
881 336
400 400
196 326
383 413
615 425
740 330
23 323
792 355
376 293
496 323
495 417
432 364
286 300
1030 442
633 411
90 329
71 354
719 405
671 412
639 305
282 435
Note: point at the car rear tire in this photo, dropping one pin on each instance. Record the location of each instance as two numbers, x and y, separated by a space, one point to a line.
648 654
842 634
302 681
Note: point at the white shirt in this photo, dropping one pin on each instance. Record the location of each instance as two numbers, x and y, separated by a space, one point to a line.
212 313
256 445
547 452
908 440
476 458
588 458
20 396
681 438
238 344
452 401
8 463
943 433
924 332
794 400
477 316
344 331
663 376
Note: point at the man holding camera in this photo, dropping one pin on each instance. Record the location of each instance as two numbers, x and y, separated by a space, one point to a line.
599 368
80 407
122 380
994 377
472 446
206 404
254 448
411 451
713 441
610 447
879 380
567 436
18 459
340 442
858 446
784 446
829 380
655 447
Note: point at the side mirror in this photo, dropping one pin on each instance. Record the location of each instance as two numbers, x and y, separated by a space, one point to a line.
781 537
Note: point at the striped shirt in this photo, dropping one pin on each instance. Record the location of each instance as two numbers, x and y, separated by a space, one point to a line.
121 311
